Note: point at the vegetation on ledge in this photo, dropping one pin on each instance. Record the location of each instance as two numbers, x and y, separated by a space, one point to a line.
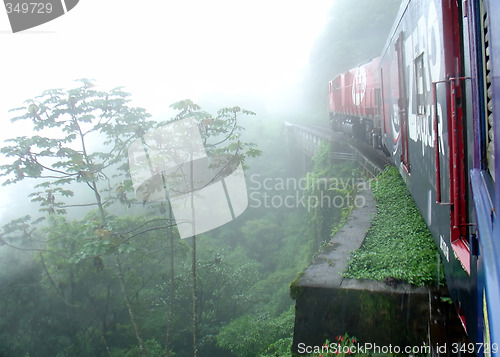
398 244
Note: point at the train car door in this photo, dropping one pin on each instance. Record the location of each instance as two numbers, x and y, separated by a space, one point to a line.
456 103
454 83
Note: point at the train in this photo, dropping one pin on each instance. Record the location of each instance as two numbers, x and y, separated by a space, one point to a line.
429 101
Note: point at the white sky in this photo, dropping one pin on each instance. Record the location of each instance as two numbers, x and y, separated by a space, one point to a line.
161 51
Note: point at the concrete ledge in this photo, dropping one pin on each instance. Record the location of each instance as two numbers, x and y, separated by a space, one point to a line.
326 269
329 305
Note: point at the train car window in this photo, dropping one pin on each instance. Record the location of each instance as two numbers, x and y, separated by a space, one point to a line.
488 105
378 101
381 103
420 85
402 104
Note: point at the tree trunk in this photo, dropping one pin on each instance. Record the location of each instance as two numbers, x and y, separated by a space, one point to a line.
129 308
194 273
172 286
195 301
172 270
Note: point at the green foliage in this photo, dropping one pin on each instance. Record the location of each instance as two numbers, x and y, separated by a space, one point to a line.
334 185
326 178
224 288
282 347
220 133
249 336
398 244
153 349
102 281
68 124
99 283
262 235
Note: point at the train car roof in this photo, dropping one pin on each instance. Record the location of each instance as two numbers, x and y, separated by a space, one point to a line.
402 9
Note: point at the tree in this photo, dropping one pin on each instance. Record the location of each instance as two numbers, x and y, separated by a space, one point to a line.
220 135
66 150
81 137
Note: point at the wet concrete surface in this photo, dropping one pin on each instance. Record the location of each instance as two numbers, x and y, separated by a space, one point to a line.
326 269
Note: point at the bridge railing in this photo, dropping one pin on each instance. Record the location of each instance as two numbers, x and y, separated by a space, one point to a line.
309 138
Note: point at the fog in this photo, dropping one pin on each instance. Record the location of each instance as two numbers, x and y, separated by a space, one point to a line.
274 58
164 52
219 53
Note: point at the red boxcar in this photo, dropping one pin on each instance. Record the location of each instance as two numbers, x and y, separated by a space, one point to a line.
354 99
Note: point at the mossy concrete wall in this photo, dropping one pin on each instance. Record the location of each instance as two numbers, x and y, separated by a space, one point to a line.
328 305
377 316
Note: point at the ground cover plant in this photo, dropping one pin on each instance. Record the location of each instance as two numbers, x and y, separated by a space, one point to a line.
398 245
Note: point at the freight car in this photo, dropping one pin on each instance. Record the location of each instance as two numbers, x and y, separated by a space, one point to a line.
430 102
354 98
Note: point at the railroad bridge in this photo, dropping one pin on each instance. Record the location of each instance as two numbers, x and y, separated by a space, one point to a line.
304 141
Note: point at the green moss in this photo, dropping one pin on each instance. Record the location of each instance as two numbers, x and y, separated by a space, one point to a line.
332 179
295 288
398 244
